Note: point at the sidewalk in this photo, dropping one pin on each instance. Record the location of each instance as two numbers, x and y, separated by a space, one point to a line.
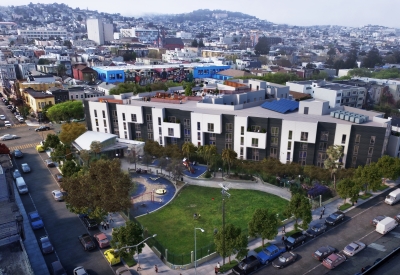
148 259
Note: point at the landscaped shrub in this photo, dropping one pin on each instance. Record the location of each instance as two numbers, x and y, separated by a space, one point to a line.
207 175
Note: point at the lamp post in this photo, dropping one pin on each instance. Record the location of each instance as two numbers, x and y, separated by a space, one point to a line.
195 248
137 250
225 195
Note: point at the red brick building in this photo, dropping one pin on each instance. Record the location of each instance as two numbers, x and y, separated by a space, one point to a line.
84 73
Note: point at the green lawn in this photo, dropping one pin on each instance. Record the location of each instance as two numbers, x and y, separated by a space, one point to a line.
344 206
174 224
365 196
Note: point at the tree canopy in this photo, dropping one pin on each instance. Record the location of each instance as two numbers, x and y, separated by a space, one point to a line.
263 223
300 208
100 189
348 188
66 111
262 47
71 131
128 235
235 241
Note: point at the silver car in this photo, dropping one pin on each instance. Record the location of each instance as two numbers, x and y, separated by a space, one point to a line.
16 174
353 248
25 168
57 195
8 137
46 245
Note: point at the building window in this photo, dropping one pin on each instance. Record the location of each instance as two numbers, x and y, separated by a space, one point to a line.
160 141
353 161
198 136
255 154
358 137
242 130
287 156
304 136
124 125
289 145
273 152
355 150
76 96
125 135
159 121
105 130
160 131
97 129
241 140
187 140
228 145
274 141
290 135
150 136
343 139
186 122
170 131
198 126
149 118
133 117
212 142
149 127
302 157
229 127
186 132
213 136
324 136
322 146
138 135
137 127
123 116
97 122
105 123
172 119
241 151
95 113
370 151
210 127
372 141
104 114
368 161
274 131
174 141
321 159
228 137
254 142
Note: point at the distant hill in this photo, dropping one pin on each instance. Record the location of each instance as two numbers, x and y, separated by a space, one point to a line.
206 14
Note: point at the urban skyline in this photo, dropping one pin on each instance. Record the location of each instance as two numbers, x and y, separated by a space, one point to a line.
354 13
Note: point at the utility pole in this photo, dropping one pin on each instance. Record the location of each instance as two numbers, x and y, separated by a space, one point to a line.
225 195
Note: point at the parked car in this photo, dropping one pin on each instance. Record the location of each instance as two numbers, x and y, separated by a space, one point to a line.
377 219
353 248
25 168
35 220
49 163
9 107
316 229
284 260
323 252
8 125
18 153
79 271
58 177
335 218
397 218
21 119
270 253
2 117
294 240
46 245
16 174
89 223
111 258
58 268
247 265
123 271
57 195
102 240
8 137
86 242
42 128
333 260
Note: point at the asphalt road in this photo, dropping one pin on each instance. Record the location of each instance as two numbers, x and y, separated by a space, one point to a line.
356 226
61 226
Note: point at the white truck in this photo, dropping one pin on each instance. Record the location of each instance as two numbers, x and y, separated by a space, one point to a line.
393 197
386 225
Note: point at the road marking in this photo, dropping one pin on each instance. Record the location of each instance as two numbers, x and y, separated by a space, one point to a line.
378 247
23 146
395 234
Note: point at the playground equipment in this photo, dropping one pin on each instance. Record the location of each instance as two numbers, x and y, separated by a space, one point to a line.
186 163
161 191
143 198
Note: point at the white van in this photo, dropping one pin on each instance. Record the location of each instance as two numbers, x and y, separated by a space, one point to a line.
393 197
21 185
386 225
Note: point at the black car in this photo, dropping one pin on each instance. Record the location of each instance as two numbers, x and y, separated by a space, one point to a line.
87 242
323 252
247 265
284 260
42 128
18 153
335 218
316 229
89 223
295 240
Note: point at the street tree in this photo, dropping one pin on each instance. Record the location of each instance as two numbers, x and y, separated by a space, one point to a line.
188 149
153 148
264 223
228 157
96 147
85 156
262 47
133 157
207 152
369 177
61 152
128 235
373 58
188 89
66 111
71 131
333 162
69 168
348 188
299 207
102 188
171 151
194 43
201 43
51 141
230 240
389 166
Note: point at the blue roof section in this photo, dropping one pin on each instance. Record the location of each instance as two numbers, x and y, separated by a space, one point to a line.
281 106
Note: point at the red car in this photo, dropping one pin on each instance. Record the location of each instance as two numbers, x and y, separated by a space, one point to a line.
333 260
102 240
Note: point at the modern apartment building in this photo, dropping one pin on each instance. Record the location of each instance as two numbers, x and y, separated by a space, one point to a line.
99 31
42 33
244 120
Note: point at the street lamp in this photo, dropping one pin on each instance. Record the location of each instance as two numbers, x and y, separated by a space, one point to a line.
195 248
137 251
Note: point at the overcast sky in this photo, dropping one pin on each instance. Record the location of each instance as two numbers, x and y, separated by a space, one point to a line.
353 13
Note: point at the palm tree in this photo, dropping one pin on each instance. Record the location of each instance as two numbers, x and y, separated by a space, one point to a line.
188 149
333 162
207 152
228 157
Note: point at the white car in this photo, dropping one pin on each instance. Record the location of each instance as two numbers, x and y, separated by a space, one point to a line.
57 195
8 137
7 123
353 248
20 119
2 117
80 271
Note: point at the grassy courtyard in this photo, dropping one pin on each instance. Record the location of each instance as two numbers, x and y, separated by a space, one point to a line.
174 224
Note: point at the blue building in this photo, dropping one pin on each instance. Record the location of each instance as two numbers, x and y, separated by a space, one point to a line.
110 74
208 71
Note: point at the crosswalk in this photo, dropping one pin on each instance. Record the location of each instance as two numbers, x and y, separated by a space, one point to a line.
23 146
14 126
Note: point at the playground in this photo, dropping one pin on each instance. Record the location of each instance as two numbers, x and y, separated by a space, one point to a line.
192 169
151 193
